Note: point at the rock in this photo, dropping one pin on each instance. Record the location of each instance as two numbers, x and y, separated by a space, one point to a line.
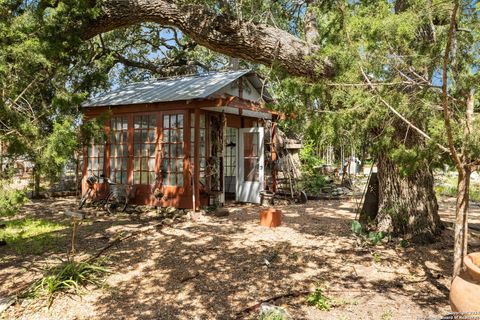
270 311
236 210
170 210
221 212
5 303
168 221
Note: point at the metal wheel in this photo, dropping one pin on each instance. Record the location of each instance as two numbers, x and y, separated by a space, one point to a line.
301 197
84 198
111 204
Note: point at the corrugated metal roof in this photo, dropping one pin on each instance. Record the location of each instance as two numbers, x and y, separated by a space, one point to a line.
169 89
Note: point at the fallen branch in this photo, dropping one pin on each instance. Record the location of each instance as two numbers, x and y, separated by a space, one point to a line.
284 295
120 239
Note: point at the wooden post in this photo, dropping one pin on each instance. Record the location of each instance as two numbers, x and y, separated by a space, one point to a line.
196 160
76 218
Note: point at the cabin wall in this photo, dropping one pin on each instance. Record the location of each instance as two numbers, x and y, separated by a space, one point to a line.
130 158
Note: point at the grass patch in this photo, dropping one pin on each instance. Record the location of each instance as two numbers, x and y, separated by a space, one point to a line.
67 277
449 188
11 201
31 236
319 300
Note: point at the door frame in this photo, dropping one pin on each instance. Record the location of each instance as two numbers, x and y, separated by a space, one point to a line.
240 182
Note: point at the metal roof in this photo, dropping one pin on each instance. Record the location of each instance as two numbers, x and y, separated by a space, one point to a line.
174 89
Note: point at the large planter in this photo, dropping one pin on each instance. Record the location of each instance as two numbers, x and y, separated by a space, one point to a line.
465 290
270 218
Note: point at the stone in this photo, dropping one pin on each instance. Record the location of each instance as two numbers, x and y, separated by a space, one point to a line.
5 303
221 212
170 210
270 311
168 221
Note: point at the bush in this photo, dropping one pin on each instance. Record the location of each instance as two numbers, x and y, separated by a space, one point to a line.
313 183
319 300
10 201
69 276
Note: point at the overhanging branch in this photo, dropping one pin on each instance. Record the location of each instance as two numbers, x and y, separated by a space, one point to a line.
222 33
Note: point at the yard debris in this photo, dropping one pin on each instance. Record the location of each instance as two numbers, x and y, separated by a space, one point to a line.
270 311
274 298
5 303
190 277
221 212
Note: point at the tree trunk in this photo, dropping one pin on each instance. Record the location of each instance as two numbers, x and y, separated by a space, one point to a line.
407 204
36 182
461 219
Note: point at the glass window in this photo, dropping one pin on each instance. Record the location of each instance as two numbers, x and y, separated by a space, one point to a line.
231 152
251 156
96 158
118 149
203 145
144 147
173 150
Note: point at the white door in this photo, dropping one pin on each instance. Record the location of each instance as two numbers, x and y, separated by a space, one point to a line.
250 165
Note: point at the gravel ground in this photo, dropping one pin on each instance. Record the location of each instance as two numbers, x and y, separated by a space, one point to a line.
215 267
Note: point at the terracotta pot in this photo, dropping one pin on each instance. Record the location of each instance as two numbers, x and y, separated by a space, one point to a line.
465 290
270 217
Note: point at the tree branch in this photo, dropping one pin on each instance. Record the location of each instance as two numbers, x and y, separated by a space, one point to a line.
398 114
223 33
445 102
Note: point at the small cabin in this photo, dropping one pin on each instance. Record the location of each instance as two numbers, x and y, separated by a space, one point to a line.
187 141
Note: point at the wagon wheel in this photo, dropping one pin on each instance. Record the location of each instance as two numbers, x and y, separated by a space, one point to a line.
301 197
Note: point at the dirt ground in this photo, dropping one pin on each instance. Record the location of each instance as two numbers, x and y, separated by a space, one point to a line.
214 268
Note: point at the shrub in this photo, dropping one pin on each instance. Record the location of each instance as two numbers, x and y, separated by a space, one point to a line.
10 201
313 183
69 276
319 300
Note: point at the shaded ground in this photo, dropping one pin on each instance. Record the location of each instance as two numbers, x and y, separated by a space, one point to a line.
215 267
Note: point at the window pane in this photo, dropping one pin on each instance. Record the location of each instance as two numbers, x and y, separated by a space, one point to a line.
179 150
166 121
180 121
180 165
151 164
151 136
136 177
152 150
153 121
180 179
144 177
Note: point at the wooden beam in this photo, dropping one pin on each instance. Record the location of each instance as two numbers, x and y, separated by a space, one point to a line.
196 160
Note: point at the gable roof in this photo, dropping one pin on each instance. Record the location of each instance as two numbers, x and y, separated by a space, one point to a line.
175 89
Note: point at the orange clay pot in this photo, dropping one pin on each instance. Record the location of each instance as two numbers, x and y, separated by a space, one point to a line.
465 290
270 218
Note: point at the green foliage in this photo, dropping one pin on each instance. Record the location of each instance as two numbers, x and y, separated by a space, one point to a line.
272 315
449 188
387 315
31 236
357 227
10 201
69 276
404 243
377 257
372 237
313 183
375 237
308 156
319 300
